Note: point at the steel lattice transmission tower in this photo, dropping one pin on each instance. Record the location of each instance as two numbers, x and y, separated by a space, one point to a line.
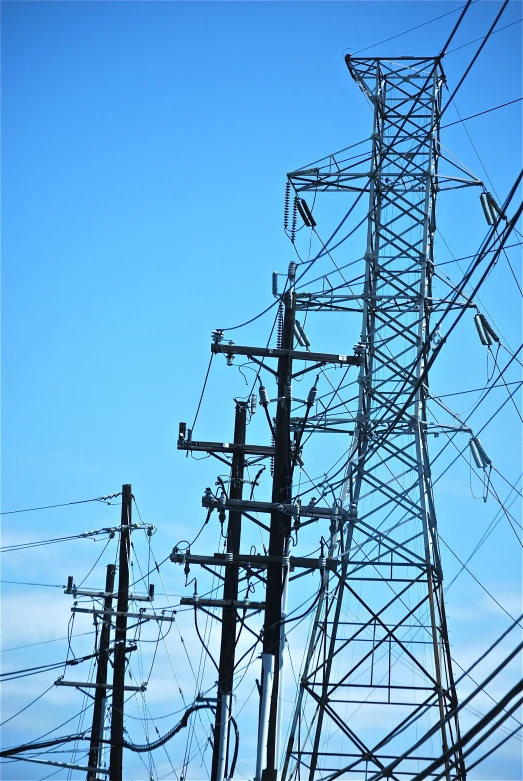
378 670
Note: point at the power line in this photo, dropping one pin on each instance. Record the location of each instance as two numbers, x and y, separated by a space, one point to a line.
27 706
411 29
475 57
64 504
479 39
43 642
480 114
21 583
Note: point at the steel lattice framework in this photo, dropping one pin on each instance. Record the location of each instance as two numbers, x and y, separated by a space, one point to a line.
378 669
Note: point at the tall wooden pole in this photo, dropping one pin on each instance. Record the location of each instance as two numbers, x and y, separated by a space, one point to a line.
279 530
100 696
230 591
116 761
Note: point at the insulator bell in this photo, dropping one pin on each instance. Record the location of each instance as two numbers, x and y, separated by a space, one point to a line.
488 328
292 271
275 283
485 337
217 335
287 391
264 398
478 453
486 208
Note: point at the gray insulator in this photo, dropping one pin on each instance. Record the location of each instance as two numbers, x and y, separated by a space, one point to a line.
483 335
478 454
274 283
292 271
488 328
264 399
311 398
287 391
486 208
253 403
494 205
300 334
486 460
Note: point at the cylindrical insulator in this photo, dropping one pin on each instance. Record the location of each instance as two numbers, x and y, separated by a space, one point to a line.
300 334
494 205
287 391
483 335
486 208
478 453
292 271
311 398
264 399
488 328
253 403
274 283
475 453
485 459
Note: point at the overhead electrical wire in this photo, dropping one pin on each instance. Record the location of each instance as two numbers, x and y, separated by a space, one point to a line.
410 30
479 39
64 504
475 57
481 113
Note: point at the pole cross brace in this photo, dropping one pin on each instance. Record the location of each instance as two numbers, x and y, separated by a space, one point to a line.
143 616
242 604
225 447
296 355
248 561
295 510
79 684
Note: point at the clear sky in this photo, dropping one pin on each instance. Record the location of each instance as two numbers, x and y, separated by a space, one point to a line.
144 153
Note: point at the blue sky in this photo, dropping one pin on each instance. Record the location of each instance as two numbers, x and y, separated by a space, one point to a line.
144 153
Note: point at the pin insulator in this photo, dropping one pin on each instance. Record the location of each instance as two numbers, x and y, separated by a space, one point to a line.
264 399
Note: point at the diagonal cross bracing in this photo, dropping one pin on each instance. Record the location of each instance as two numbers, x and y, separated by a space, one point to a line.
387 480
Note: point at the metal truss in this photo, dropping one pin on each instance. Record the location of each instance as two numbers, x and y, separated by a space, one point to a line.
378 671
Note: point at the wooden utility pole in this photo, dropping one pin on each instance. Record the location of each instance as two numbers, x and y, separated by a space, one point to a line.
116 760
100 696
279 529
230 592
